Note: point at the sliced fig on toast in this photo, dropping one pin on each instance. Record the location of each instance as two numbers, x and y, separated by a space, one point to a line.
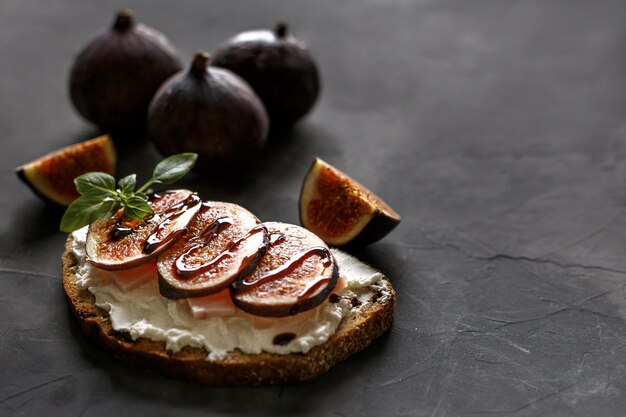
121 243
224 242
340 210
297 273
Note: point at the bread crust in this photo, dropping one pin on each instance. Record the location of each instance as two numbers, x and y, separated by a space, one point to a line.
353 334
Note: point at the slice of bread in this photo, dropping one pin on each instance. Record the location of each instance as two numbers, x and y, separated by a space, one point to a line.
354 333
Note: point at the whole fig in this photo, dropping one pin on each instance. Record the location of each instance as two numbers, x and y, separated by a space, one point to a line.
209 111
116 74
280 69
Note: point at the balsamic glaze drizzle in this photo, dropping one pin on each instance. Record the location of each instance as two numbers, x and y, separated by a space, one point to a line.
155 240
126 227
283 339
183 270
287 267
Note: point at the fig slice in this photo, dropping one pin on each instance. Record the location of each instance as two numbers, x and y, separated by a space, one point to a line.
51 177
297 273
340 210
224 242
122 243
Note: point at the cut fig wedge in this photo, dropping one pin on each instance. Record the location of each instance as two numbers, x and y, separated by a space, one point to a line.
340 210
224 242
51 177
121 243
297 273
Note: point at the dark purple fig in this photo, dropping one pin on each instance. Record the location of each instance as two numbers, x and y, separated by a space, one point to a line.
209 111
225 241
116 74
297 273
279 68
122 243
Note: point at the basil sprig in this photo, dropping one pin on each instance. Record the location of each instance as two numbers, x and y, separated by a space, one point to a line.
100 197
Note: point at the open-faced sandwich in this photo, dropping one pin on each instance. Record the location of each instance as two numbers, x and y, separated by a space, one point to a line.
206 292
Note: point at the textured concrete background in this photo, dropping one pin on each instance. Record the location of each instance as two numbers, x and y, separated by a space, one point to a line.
496 128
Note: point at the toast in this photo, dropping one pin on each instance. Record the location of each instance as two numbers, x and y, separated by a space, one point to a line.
355 332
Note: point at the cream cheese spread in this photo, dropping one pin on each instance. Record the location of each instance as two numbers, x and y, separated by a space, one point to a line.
143 312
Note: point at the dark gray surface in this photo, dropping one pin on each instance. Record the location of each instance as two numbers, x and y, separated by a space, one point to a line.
496 128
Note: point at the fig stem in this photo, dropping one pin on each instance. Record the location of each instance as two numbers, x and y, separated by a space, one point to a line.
124 20
281 29
199 64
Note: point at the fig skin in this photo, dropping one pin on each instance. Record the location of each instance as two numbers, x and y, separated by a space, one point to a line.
280 296
340 210
209 111
116 74
280 69
51 177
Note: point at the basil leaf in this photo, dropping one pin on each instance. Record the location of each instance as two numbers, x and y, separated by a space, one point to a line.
136 207
173 168
127 184
85 210
100 197
95 184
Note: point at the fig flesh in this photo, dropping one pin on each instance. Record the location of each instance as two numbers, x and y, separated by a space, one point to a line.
122 243
116 74
280 69
340 210
224 242
52 176
209 111
297 273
